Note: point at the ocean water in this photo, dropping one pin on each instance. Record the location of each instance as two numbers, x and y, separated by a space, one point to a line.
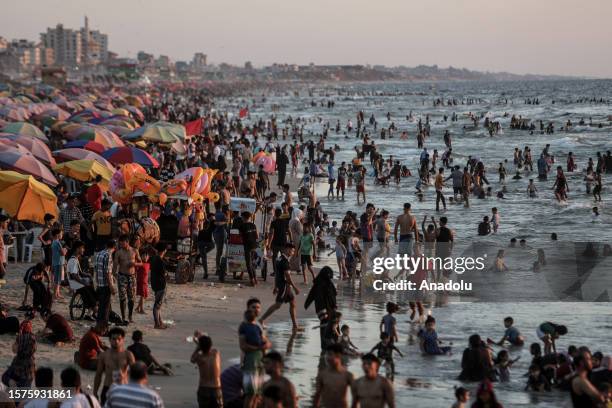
532 219
428 381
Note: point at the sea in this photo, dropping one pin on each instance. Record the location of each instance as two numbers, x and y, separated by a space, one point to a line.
425 381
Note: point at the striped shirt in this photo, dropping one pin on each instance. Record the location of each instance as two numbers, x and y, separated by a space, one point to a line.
103 267
132 395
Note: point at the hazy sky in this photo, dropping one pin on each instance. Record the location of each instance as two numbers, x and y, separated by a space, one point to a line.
520 36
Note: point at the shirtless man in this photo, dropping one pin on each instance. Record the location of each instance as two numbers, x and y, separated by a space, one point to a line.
582 391
333 380
372 390
273 364
124 267
208 361
407 226
112 362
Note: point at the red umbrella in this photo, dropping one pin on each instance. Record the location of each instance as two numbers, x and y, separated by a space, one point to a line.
122 155
87 145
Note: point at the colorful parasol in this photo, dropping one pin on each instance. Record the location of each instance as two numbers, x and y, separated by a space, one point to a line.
26 199
84 170
123 155
27 164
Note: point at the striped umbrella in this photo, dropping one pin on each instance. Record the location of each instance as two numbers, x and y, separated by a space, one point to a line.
97 134
27 164
8 145
14 113
34 146
24 128
84 170
87 145
123 155
159 132
81 154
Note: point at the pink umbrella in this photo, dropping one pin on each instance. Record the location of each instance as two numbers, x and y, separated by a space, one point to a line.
36 147
26 164
81 154
14 113
6 144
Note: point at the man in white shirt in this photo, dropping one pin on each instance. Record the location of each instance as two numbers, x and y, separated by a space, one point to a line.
71 379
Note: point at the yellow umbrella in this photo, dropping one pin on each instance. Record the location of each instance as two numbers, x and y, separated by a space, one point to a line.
26 199
84 170
120 111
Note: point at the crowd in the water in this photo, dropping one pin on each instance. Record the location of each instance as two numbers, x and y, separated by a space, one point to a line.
101 247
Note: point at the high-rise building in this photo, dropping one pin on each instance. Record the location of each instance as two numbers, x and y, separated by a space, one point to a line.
199 61
94 45
66 45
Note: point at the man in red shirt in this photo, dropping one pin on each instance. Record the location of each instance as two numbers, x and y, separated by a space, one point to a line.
57 330
91 345
94 194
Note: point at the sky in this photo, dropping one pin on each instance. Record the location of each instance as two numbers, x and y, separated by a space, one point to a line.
564 37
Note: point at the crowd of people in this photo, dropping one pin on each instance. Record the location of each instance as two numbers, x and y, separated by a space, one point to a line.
95 248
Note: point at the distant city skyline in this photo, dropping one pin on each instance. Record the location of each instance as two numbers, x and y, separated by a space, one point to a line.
551 37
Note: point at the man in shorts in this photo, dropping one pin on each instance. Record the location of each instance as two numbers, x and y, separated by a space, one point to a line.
406 223
284 288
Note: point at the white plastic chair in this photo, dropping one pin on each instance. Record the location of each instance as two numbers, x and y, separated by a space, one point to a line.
28 249
7 248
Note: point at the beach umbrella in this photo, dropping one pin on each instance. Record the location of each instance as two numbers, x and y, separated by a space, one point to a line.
63 127
95 133
35 146
56 112
84 170
120 111
157 132
24 128
14 113
123 155
121 120
118 130
27 164
84 115
134 100
87 145
9 145
136 113
70 154
26 199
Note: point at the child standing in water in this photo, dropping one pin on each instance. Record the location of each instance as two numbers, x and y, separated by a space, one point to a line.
341 252
532 190
500 264
387 325
429 339
385 350
495 219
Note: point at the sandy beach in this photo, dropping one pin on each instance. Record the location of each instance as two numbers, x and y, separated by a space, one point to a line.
209 306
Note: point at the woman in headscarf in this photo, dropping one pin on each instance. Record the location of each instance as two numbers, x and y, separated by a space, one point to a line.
21 371
323 294
295 232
